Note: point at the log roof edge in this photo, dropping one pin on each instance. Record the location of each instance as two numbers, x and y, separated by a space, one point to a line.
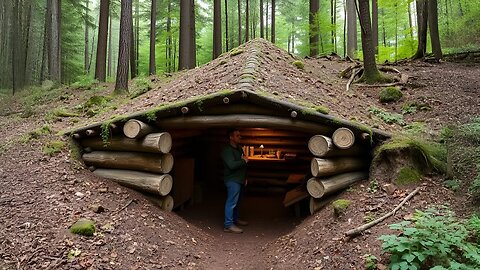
198 105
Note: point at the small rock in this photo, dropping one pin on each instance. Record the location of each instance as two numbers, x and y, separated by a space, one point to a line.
389 189
96 208
79 194
103 190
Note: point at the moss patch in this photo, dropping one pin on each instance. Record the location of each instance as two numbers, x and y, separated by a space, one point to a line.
434 154
236 51
299 64
83 227
53 147
390 94
340 206
408 175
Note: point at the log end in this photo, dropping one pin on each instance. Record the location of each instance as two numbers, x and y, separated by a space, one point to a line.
314 169
315 188
343 138
319 145
132 128
167 162
165 142
168 203
165 185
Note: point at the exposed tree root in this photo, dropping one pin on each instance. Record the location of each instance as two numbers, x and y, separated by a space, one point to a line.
355 72
352 72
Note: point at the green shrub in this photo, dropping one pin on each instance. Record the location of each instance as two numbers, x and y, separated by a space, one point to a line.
453 184
389 118
409 108
436 239
84 82
83 227
370 262
299 64
408 175
415 128
390 94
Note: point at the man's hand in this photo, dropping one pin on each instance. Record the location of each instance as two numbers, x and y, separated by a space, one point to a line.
245 158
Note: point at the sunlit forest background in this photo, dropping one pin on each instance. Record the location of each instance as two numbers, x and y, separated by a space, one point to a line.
23 27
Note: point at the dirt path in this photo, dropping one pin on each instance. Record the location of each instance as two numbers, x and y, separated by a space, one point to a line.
268 220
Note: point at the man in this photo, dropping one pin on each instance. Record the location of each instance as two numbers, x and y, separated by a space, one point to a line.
235 169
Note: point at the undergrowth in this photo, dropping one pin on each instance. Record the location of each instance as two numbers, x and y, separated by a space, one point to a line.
435 239
388 118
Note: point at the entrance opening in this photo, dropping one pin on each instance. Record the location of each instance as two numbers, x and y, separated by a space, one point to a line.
279 162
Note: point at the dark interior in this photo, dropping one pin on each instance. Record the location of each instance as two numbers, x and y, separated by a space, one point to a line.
280 166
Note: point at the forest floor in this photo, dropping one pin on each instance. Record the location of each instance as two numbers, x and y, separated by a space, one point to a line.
42 195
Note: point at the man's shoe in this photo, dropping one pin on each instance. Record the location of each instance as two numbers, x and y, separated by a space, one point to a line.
241 222
233 229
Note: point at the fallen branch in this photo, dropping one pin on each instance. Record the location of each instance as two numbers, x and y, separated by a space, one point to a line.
125 206
346 72
355 72
362 228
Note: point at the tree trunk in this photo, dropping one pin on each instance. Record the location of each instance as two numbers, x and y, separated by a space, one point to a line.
325 167
266 21
217 28
410 23
87 38
130 161
272 27
351 28
133 60
422 19
239 10
100 63
147 182
313 22
15 38
319 187
153 20
187 43
137 35
434 35
121 85
152 143
169 49
370 70
110 49
375 25
55 65
247 11
226 26
261 20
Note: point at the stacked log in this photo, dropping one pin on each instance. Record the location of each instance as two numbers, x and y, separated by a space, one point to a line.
338 162
139 159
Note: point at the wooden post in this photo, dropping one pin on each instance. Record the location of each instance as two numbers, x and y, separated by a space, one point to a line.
325 167
147 182
318 187
157 163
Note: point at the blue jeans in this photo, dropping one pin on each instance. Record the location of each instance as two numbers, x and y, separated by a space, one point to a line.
234 191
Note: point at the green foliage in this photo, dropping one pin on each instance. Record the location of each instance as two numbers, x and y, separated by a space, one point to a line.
340 206
434 154
53 147
299 64
84 82
373 187
409 108
73 253
415 128
436 239
452 184
446 133
370 262
95 105
59 113
141 85
151 115
84 227
390 94
37 133
408 175
389 118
